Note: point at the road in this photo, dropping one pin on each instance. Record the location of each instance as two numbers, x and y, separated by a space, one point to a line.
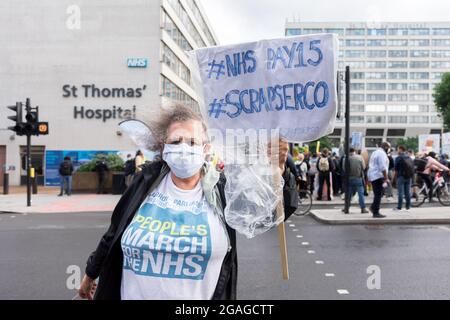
326 262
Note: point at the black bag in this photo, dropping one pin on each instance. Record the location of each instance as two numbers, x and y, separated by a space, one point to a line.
64 168
408 168
420 164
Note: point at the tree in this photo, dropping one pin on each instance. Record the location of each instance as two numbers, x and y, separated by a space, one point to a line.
409 143
441 97
324 143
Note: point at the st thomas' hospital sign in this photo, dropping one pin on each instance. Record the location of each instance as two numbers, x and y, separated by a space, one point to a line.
91 91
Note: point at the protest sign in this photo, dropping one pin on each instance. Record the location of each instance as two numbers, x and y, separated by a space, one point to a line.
287 84
446 143
357 140
429 142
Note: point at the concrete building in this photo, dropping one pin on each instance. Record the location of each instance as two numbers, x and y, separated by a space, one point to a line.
394 68
89 66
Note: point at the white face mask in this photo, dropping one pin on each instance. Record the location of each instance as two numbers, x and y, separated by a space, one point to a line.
183 160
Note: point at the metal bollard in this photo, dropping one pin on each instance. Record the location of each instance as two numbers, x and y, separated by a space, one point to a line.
34 185
6 183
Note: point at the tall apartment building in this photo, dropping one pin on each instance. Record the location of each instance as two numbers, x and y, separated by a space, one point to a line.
89 66
394 68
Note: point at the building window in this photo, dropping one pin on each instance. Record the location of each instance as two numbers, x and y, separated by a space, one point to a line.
171 60
397 119
354 53
419 32
418 108
398 75
398 32
356 64
376 64
376 32
311 30
174 33
375 119
419 86
396 132
437 75
441 31
199 17
354 43
357 75
357 86
357 119
376 43
337 31
375 108
441 42
398 42
376 86
419 53
397 86
376 97
440 64
356 97
419 97
374 132
398 53
355 32
293 32
396 108
375 75
397 64
419 64
376 53
397 97
356 108
435 119
419 75
419 43
170 90
440 53
418 119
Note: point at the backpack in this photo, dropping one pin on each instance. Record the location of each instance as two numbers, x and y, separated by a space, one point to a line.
420 164
324 165
64 168
408 169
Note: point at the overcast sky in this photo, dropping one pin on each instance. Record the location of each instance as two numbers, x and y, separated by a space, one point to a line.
247 20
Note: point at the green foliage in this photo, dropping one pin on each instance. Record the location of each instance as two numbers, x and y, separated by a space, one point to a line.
409 143
325 142
114 162
441 97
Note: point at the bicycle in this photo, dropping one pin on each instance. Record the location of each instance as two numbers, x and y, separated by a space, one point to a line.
304 201
440 189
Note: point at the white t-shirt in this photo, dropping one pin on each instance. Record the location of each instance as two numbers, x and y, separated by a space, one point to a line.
174 246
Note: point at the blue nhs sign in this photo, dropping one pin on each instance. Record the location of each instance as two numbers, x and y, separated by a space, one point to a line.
137 63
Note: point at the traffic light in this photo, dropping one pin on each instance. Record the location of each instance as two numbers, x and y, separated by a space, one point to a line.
32 124
19 127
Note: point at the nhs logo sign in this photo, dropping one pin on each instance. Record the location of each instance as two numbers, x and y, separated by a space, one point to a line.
137 63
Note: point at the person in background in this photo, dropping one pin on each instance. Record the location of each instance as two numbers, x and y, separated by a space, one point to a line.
378 176
325 167
139 160
388 191
355 176
129 170
101 167
336 175
312 172
302 169
404 173
65 172
431 165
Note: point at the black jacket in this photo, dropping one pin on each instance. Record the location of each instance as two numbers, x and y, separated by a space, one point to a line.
107 260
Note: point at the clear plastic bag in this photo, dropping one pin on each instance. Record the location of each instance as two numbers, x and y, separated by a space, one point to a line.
253 191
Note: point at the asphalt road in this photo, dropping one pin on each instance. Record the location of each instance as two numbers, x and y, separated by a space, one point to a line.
42 253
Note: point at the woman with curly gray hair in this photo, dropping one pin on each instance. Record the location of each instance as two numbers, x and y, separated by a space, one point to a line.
168 237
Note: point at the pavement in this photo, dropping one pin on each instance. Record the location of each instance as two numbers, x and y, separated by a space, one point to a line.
328 212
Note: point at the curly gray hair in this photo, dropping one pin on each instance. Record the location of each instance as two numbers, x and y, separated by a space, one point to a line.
176 113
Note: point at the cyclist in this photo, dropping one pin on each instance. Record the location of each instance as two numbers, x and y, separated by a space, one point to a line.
431 165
